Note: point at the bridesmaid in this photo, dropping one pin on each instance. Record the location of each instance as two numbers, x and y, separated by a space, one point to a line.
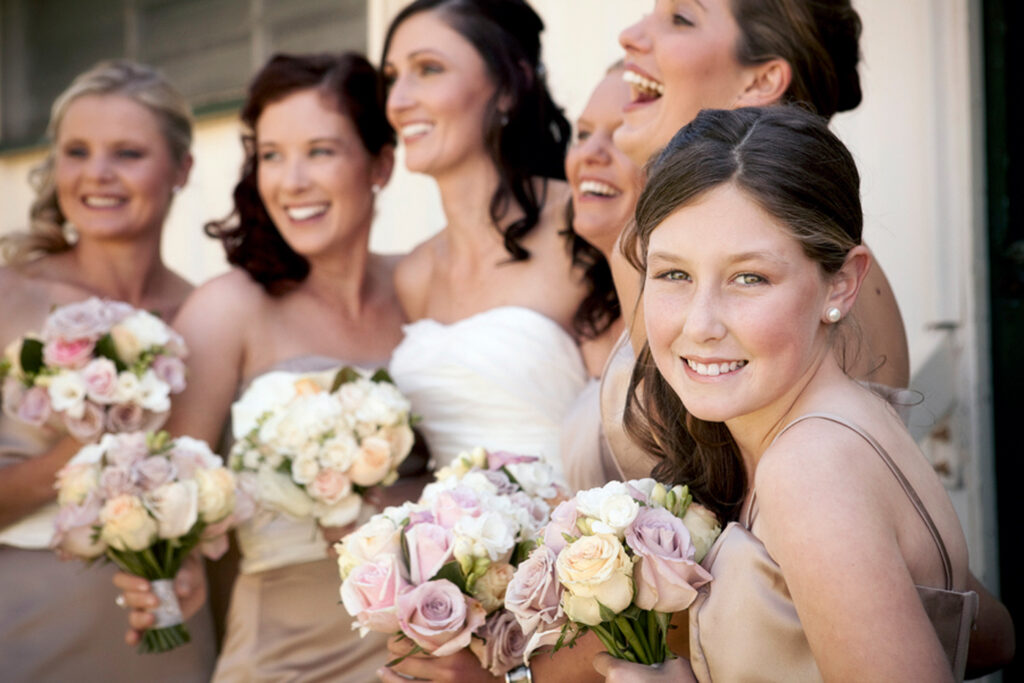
306 294
121 136
749 231
490 358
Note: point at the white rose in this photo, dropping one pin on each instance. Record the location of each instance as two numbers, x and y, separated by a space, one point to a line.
617 512
175 506
216 493
380 535
75 481
489 533
588 502
703 527
154 393
136 333
127 387
305 468
67 394
536 478
339 452
644 486
127 524
279 492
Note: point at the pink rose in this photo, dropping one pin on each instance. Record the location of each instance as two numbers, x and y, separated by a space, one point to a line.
563 521
172 371
498 459
534 595
456 503
100 377
115 481
89 319
70 354
501 643
74 530
438 617
125 450
370 594
190 454
153 472
667 578
89 426
430 547
213 542
125 417
34 406
329 486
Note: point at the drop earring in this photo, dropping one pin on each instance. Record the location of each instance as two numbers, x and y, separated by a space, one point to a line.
833 315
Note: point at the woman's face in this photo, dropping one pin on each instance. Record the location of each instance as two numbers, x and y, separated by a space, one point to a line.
114 170
314 175
733 307
605 182
439 94
680 58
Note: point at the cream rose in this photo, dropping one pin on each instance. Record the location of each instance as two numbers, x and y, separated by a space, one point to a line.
279 492
216 493
595 569
76 481
127 525
372 462
703 527
490 588
175 506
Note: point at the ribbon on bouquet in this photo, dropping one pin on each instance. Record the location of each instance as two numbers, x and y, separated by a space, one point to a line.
168 612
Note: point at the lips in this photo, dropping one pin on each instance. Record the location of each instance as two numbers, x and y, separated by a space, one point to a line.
97 201
643 87
412 131
306 212
715 368
597 188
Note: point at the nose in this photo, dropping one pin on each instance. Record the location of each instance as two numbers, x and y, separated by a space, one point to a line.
595 149
295 178
634 38
703 317
399 96
99 167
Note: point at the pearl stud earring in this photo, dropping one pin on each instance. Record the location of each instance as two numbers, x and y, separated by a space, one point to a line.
833 315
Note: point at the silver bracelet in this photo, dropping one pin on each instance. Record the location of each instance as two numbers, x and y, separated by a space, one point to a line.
520 674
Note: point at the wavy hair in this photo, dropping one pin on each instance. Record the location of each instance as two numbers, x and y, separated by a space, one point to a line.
787 161
529 139
350 83
48 228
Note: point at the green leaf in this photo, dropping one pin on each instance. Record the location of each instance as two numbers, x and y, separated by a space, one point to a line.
381 375
452 572
106 348
345 375
522 551
31 356
606 613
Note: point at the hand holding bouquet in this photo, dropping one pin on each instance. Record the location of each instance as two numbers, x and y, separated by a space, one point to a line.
310 444
145 501
98 366
617 560
436 571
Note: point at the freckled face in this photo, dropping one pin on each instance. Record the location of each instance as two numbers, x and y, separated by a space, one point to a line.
680 58
732 307
314 175
438 96
113 167
605 182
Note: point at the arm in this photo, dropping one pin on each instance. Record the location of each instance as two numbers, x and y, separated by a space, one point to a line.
992 640
830 527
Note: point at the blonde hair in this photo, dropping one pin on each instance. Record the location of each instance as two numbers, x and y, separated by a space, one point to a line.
47 233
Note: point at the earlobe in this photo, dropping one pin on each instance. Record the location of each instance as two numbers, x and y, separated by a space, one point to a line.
846 283
768 84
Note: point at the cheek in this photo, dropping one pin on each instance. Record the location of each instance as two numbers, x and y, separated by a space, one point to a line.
572 164
663 319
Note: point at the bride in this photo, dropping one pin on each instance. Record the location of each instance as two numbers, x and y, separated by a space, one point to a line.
488 359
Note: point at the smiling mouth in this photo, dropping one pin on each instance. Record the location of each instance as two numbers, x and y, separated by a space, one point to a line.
642 88
103 202
596 188
305 213
415 130
715 369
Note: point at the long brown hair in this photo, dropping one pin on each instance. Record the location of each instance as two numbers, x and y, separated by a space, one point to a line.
787 161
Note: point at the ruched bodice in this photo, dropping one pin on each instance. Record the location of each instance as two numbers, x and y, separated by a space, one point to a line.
502 379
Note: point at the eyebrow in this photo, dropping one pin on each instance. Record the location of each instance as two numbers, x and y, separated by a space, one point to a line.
738 258
335 139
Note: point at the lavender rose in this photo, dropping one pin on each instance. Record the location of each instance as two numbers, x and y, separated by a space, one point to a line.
667 577
501 643
438 617
534 595
34 406
172 371
89 319
100 377
89 426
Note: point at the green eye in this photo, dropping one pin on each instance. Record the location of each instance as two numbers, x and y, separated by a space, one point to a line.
749 279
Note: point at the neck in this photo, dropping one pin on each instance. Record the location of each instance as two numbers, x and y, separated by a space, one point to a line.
342 278
466 197
129 271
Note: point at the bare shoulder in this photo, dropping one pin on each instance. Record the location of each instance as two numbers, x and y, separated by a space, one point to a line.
26 303
223 301
412 274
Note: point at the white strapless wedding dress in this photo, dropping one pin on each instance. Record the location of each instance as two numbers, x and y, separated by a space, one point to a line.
502 379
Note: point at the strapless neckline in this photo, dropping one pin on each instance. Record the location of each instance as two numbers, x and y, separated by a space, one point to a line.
476 318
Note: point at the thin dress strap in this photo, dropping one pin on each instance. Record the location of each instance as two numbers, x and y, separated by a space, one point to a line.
947 567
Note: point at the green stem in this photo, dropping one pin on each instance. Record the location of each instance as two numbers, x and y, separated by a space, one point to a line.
608 641
637 644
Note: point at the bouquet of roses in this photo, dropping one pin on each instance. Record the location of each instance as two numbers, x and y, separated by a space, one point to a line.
145 501
98 366
310 444
617 560
436 571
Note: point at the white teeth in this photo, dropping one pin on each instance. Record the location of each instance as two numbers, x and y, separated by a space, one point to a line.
301 213
599 188
643 83
414 129
715 369
102 202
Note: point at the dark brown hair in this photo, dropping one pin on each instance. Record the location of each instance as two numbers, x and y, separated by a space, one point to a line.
819 39
350 83
529 140
787 161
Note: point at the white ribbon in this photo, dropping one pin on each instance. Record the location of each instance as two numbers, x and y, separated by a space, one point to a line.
168 612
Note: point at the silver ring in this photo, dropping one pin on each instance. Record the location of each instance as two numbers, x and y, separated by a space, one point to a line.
120 601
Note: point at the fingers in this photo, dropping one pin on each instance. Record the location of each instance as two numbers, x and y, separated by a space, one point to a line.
399 646
601 662
141 620
130 582
386 675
